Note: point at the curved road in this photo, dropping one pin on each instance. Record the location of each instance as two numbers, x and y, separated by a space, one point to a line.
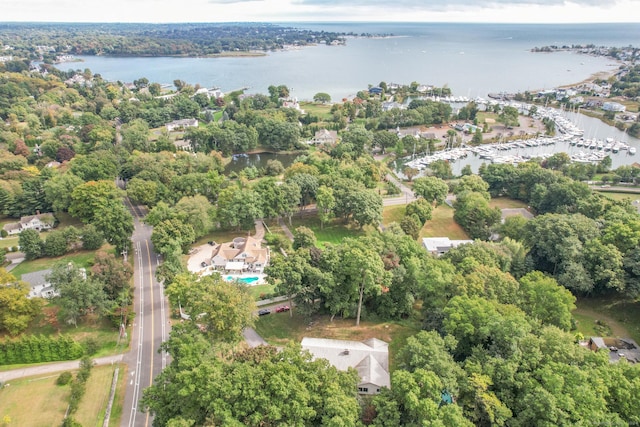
150 326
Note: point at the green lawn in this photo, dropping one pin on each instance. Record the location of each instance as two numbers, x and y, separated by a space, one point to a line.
256 291
392 214
39 402
442 225
617 196
506 203
323 111
9 242
82 258
34 402
280 328
94 403
333 232
620 315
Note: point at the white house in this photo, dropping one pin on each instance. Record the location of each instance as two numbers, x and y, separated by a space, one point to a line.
324 136
441 245
242 254
38 222
40 286
370 358
614 106
181 124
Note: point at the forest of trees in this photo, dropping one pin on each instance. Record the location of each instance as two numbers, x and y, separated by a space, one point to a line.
50 40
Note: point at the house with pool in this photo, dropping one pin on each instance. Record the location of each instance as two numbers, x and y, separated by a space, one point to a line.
240 256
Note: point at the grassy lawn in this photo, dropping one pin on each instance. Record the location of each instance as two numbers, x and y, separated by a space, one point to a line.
506 203
8 242
620 196
442 225
94 403
39 402
256 291
36 402
101 331
82 258
279 328
323 111
221 236
66 220
620 315
333 232
392 214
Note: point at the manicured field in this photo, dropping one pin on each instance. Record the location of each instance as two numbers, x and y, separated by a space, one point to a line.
82 259
39 402
442 225
333 232
323 111
392 214
94 403
258 290
620 196
506 203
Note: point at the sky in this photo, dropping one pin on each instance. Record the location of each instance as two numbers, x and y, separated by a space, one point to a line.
158 11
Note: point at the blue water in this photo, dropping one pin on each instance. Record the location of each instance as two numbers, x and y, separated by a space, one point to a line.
247 280
472 59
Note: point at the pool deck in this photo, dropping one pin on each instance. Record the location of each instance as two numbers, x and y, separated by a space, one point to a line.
202 254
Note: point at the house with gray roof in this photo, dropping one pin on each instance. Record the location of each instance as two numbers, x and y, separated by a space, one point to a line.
37 222
441 245
40 285
370 358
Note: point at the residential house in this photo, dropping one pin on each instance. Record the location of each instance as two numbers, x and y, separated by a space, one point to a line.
377 90
40 285
441 245
181 124
370 358
324 136
37 222
614 106
618 348
241 255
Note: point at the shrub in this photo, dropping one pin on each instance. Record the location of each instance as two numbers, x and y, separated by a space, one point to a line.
64 378
91 346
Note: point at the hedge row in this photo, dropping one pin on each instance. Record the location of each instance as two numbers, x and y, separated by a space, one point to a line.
39 348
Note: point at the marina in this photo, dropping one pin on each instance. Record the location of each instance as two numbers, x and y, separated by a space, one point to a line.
569 138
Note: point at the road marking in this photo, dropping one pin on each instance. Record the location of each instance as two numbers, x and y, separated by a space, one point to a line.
136 388
146 242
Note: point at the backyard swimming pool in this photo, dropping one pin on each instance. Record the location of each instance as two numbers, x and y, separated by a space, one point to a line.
247 280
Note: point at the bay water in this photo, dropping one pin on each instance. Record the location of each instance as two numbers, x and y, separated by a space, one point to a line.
471 59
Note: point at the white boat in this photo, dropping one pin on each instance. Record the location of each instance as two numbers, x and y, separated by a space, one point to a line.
632 150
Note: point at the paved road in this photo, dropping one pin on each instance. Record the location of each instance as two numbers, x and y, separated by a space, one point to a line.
52 368
150 327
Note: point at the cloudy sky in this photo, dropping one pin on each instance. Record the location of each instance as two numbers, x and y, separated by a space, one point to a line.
536 11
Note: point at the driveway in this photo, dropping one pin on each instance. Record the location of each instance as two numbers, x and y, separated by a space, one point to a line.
200 254
252 338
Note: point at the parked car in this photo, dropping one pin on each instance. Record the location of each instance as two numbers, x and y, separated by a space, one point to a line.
211 242
264 312
282 309
203 264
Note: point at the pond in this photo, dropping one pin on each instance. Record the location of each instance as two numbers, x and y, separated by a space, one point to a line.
258 160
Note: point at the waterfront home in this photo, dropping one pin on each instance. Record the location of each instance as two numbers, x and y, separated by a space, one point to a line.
370 358
324 136
614 106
